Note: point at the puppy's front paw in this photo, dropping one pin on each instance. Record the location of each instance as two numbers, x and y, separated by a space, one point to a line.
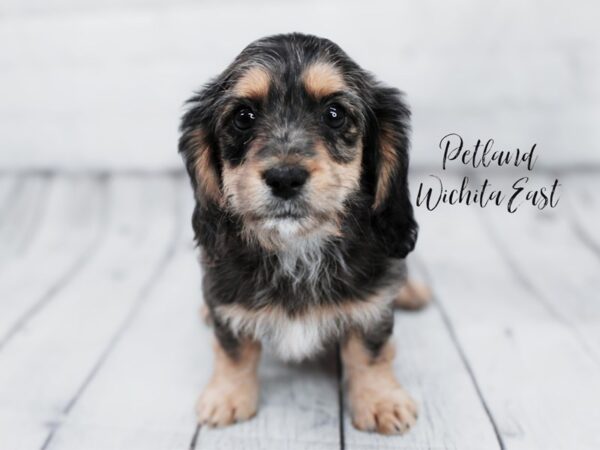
387 411
224 402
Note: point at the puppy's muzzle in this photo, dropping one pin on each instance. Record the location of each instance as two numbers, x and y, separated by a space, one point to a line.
286 181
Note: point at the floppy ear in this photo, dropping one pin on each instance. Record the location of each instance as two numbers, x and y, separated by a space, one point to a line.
387 172
197 146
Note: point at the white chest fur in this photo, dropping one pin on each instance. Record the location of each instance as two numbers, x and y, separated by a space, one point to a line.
301 336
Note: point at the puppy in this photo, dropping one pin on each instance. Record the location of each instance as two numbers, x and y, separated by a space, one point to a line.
298 159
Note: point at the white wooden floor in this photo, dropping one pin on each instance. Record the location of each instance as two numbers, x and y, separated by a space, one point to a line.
101 346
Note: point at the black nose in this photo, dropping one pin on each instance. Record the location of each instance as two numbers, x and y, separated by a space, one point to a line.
285 181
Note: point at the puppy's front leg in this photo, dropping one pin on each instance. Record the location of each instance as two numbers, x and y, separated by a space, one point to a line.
232 393
377 400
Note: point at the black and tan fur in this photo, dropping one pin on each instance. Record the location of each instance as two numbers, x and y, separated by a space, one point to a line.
323 266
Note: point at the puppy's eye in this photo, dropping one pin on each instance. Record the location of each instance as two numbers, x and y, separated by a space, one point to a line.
334 116
244 118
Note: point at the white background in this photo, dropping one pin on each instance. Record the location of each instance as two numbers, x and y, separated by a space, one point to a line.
100 85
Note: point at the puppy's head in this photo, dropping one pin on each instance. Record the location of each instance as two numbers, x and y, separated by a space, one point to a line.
290 135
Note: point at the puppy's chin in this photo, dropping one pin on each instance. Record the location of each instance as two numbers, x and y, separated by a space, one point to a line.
286 227
282 232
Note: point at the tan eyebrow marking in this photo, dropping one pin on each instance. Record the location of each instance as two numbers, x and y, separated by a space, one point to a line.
322 79
254 83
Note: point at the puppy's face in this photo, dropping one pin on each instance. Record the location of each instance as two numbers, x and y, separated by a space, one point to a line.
291 146
287 136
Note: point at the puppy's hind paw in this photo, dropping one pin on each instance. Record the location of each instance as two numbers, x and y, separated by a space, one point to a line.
205 315
413 296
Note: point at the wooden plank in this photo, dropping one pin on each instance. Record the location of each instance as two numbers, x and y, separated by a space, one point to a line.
299 409
541 387
8 184
546 252
25 206
429 366
46 366
584 205
143 396
66 238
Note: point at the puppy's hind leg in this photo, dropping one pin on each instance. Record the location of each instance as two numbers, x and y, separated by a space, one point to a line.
232 392
413 295
205 315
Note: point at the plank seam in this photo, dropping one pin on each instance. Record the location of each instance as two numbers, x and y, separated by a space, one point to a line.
37 216
142 297
16 189
27 229
582 234
69 274
530 287
194 439
462 354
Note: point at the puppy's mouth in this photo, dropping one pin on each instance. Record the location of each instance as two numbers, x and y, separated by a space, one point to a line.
287 215
280 222
279 215
288 210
